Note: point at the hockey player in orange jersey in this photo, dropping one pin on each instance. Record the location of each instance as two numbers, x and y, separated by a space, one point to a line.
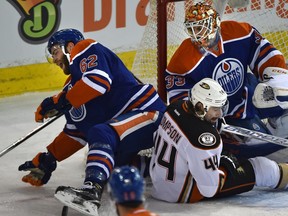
127 187
187 163
248 67
104 106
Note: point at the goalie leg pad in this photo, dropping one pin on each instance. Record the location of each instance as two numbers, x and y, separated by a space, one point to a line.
266 172
283 182
278 125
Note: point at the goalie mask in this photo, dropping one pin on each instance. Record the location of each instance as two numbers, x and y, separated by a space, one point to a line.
61 38
202 24
208 93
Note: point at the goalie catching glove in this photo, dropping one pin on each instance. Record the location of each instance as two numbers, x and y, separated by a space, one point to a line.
273 91
41 168
51 106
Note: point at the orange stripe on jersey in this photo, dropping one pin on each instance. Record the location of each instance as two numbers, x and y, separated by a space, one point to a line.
234 30
81 94
81 45
181 96
185 57
103 159
185 188
238 186
275 61
103 81
128 124
195 194
264 51
141 100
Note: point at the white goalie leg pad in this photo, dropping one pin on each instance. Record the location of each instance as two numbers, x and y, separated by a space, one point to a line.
278 125
238 3
267 173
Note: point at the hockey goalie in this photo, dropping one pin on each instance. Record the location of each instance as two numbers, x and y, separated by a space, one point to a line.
248 67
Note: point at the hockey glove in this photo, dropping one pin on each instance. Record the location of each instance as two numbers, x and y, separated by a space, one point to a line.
41 168
229 163
51 106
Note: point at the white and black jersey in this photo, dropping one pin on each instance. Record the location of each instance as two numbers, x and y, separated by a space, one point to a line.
184 165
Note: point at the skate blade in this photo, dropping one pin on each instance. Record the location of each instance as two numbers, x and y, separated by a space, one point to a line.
76 203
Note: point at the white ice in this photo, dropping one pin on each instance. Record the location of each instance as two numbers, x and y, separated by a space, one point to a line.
18 198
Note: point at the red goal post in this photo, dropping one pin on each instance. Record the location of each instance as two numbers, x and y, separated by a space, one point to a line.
164 32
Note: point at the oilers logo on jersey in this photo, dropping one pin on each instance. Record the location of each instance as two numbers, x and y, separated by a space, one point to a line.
230 75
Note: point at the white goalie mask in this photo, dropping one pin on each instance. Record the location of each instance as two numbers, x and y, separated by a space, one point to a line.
202 24
210 94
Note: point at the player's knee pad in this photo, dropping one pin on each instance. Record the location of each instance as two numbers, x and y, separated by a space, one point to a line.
103 133
266 172
278 125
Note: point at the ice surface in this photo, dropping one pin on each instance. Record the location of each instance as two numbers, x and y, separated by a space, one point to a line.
17 198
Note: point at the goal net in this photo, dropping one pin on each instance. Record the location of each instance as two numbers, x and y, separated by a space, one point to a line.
165 31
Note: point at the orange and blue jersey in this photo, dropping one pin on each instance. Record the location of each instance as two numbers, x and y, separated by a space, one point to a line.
102 88
240 47
104 94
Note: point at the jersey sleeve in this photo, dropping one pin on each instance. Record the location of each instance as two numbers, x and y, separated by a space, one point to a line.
93 84
262 53
204 168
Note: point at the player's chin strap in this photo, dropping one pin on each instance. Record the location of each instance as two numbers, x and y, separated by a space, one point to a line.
65 53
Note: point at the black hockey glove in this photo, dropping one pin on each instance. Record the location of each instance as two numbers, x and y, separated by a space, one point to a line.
51 106
41 168
230 163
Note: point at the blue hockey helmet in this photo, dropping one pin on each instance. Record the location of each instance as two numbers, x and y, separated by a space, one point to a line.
62 37
126 185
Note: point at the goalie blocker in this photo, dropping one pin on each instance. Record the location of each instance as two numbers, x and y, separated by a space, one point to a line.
271 96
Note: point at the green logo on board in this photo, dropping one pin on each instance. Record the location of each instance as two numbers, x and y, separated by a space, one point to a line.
39 19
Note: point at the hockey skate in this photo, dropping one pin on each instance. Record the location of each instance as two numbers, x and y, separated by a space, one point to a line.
85 200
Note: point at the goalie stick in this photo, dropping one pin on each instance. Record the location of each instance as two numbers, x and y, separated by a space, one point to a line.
22 139
254 134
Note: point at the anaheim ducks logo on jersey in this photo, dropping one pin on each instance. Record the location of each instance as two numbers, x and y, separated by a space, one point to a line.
230 75
207 139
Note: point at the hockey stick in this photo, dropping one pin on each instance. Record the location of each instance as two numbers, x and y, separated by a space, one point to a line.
239 131
22 139
254 134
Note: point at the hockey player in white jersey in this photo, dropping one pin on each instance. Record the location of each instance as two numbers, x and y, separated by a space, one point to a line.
188 164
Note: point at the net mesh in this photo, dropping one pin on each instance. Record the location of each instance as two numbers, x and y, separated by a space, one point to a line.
270 17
